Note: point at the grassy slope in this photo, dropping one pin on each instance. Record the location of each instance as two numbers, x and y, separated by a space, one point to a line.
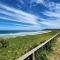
55 55
20 45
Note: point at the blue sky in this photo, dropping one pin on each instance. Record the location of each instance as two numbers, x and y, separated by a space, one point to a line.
29 14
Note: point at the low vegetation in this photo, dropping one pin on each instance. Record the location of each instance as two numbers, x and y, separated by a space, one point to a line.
12 48
55 55
48 52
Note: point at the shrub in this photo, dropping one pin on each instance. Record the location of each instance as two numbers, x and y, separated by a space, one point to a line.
3 43
41 55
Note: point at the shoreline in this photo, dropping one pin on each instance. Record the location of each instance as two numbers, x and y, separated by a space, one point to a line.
22 34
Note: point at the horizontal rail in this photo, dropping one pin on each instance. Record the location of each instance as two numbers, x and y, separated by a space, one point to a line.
36 48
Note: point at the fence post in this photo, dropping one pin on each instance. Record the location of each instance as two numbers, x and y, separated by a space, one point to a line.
35 49
33 56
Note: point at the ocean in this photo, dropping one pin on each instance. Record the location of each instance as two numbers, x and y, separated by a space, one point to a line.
14 33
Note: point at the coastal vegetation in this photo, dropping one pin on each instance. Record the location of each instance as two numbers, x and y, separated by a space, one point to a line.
12 48
55 55
50 51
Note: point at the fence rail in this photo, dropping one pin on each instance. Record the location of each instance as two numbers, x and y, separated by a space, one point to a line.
35 49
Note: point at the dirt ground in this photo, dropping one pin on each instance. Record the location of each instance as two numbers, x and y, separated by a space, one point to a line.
55 55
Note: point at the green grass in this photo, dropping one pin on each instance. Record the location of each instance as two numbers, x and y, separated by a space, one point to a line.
47 51
55 55
16 47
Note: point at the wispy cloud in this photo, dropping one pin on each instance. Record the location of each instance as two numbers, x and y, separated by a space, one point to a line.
18 19
52 23
52 14
53 19
38 1
24 20
20 15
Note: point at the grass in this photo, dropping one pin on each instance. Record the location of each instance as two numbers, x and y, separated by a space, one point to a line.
16 47
55 55
50 51
42 53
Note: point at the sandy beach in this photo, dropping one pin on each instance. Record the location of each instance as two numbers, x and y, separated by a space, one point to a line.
22 34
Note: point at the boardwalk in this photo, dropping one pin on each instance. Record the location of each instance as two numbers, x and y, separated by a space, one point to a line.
35 49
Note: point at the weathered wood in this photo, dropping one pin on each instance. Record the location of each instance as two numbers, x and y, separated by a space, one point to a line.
33 56
35 49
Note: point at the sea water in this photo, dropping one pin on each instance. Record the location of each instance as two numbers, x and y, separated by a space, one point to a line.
14 33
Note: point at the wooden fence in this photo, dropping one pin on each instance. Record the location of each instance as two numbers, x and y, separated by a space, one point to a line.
32 52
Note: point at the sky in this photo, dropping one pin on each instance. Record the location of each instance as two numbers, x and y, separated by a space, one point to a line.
29 14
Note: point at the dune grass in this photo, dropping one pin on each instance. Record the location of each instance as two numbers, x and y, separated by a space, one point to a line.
12 48
50 51
55 55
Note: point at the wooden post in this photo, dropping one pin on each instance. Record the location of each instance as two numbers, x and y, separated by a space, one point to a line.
35 49
33 56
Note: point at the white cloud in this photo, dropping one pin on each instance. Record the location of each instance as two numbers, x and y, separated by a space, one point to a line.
40 1
52 6
36 1
54 10
52 14
20 15
52 23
